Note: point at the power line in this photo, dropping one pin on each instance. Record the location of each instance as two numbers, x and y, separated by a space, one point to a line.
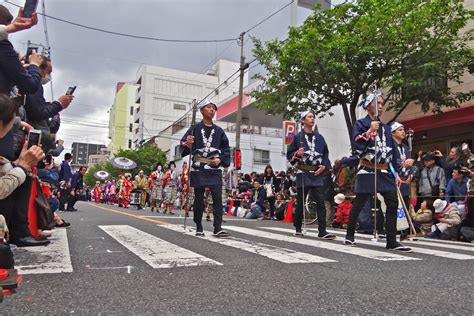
130 35
269 17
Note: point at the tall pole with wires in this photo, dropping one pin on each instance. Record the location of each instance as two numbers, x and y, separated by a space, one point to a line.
241 91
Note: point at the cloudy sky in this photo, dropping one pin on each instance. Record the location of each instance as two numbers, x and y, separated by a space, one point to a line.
96 61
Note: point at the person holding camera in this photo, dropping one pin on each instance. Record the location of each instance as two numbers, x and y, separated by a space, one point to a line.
15 184
432 181
309 153
38 111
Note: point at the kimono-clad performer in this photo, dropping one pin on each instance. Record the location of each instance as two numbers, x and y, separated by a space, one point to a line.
112 192
97 192
126 188
156 193
141 184
170 183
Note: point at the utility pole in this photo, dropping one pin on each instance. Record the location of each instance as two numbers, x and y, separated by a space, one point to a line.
243 66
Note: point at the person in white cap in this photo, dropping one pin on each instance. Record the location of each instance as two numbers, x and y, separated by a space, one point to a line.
210 148
309 153
404 162
373 145
448 217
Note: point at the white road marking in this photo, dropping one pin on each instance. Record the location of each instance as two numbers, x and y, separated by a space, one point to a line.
420 242
129 268
54 258
276 253
156 252
334 246
381 243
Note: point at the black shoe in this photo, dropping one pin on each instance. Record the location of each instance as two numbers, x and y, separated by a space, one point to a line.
29 242
327 236
221 233
299 233
64 224
200 233
399 247
208 218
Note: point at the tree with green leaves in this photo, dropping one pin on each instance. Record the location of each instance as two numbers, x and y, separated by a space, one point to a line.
410 49
146 158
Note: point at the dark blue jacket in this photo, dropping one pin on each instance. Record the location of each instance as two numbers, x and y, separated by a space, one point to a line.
261 196
321 157
456 191
364 147
203 175
37 109
77 181
65 171
12 72
404 153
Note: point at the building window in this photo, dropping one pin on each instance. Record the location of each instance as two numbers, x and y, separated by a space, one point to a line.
129 143
130 128
177 152
131 110
261 156
179 107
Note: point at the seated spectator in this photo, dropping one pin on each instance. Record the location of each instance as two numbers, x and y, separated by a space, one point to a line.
423 219
448 217
342 212
457 187
280 207
467 228
257 208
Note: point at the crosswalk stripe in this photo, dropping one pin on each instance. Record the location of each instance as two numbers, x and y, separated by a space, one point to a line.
156 252
52 259
419 242
432 252
366 253
276 253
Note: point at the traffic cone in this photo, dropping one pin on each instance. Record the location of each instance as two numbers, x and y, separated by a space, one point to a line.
231 206
289 212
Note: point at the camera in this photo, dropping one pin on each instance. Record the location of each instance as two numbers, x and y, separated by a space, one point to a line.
34 138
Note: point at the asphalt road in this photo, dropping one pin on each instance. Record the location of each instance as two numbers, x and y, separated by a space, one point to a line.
123 262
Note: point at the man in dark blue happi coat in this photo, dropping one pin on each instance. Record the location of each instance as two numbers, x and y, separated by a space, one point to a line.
373 144
210 149
309 152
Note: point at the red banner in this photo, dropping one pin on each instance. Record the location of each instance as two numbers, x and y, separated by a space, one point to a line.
290 131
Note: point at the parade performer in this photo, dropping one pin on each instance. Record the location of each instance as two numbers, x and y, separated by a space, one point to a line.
141 184
97 192
374 146
309 153
112 192
157 188
186 192
210 148
170 183
126 188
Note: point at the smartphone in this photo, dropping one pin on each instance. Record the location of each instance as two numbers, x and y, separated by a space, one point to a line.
49 159
70 90
29 8
34 138
29 51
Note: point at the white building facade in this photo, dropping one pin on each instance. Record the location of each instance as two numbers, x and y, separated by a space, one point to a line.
262 136
164 95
